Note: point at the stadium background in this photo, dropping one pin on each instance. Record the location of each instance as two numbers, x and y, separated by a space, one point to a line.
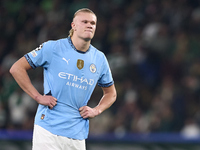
153 50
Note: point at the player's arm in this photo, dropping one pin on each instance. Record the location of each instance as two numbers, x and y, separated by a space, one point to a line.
108 98
19 72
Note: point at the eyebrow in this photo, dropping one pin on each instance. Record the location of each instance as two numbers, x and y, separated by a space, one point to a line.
85 20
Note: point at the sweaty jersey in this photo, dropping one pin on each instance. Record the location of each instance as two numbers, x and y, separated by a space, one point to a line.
70 76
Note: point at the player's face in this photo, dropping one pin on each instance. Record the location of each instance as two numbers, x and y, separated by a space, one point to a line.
84 25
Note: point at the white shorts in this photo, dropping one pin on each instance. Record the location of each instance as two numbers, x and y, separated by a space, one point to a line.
45 140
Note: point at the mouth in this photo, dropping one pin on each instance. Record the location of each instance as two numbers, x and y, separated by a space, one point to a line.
89 31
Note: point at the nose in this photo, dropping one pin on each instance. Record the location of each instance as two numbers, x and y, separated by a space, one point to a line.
89 25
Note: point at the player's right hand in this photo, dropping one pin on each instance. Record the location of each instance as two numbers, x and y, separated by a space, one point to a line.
47 100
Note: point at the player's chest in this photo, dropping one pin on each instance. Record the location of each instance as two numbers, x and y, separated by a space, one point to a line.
76 66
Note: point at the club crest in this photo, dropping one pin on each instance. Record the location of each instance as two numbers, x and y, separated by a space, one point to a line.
80 64
93 68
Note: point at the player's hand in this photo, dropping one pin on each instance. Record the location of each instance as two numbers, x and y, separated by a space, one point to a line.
47 100
88 112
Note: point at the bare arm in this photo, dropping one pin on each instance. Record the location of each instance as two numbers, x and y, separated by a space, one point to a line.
19 72
109 97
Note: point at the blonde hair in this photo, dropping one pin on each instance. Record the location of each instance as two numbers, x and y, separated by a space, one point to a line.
86 10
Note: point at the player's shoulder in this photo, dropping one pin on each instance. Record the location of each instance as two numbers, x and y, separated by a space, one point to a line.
56 42
97 51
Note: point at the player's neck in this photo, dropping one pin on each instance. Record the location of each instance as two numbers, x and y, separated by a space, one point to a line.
80 44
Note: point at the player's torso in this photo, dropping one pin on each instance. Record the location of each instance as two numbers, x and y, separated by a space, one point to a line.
74 74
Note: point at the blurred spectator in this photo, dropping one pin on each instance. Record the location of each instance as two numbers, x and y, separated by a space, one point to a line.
190 129
21 108
117 59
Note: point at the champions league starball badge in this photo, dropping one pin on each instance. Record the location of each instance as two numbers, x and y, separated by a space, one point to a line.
93 68
34 52
39 48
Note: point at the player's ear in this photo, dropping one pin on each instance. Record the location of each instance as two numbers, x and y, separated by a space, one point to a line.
73 25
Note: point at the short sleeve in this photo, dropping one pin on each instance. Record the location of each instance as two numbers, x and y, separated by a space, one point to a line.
41 56
106 78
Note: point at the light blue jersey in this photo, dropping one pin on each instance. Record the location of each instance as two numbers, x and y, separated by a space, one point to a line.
70 76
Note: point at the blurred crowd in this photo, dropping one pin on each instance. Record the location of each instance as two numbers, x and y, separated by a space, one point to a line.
153 48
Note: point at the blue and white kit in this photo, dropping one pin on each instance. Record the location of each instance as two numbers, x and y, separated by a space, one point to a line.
70 76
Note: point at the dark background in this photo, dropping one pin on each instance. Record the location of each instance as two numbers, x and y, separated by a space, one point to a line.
152 47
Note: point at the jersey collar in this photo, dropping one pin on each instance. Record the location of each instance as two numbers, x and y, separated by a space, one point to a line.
72 45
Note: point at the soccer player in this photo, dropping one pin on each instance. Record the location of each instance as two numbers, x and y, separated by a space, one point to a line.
72 68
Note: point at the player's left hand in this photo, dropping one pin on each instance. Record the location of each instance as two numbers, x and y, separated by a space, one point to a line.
88 112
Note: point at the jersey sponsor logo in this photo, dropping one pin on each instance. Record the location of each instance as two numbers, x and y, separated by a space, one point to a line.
76 85
93 68
75 81
80 64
